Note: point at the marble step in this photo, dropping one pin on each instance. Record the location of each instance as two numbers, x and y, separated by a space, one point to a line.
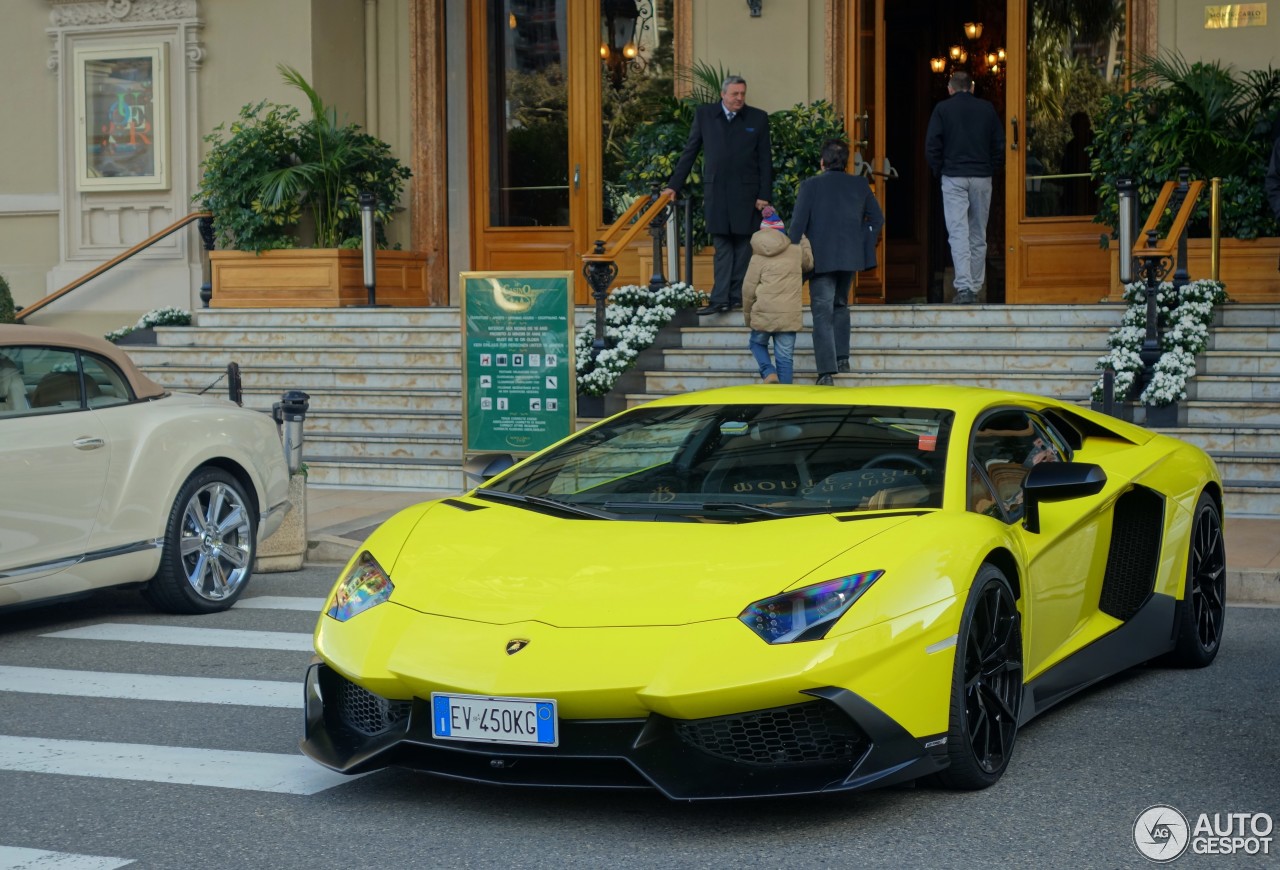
1260 389
371 337
1248 499
1033 339
331 318
367 473
298 356
1256 338
389 446
1058 385
1237 363
1231 413
1256 468
941 362
364 422
360 402
268 379
1231 439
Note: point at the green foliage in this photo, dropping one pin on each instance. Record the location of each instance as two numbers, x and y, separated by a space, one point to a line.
1205 116
797 135
272 166
6 302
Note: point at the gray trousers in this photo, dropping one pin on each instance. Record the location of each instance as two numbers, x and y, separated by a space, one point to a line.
966 202
829 302
729 267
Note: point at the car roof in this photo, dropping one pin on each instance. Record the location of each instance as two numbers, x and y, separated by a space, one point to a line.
12 334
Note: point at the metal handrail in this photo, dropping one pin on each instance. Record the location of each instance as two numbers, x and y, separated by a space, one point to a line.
114 261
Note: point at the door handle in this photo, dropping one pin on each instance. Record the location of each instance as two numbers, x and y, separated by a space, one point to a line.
863 121
87 443
1014 146
577 174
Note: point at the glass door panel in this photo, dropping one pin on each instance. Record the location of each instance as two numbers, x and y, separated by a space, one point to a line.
1074 56
528 103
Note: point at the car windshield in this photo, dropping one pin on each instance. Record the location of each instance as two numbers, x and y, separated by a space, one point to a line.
737 463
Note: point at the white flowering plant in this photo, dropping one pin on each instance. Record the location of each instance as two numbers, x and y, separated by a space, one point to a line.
154 317
632 315
1185 316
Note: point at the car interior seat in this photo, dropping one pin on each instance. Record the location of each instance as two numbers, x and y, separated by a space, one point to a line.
57 388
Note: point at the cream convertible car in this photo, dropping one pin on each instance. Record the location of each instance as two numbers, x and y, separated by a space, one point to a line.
106 479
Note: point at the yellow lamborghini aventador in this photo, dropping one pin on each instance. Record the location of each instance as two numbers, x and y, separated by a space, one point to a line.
771 590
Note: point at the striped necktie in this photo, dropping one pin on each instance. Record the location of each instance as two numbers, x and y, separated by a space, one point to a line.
730 115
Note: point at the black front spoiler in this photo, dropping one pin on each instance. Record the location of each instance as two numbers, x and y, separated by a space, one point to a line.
618 754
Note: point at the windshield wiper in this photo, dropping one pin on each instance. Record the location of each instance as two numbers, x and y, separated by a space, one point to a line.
731 506
550 504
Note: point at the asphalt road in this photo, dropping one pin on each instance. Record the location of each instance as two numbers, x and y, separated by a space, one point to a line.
170 788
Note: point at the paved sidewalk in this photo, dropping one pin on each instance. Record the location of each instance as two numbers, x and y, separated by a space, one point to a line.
338 520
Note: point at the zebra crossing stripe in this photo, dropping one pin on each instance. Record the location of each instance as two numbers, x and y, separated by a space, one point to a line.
150 687
280 602
215 768
184 636
15 858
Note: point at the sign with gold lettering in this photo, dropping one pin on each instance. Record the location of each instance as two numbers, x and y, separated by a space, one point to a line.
519 384
1235 15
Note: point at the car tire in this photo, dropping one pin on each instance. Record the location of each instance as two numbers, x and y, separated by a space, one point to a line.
209 544
986 691
1204 604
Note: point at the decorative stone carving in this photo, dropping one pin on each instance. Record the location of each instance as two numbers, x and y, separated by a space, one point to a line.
79 13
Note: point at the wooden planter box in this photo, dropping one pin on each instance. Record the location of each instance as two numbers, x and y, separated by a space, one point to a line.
315 278
1250 269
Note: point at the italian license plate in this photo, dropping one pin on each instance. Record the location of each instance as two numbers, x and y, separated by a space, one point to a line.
494 720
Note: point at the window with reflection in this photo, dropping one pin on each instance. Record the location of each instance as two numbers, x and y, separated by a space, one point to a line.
636 83
1075 55
528 104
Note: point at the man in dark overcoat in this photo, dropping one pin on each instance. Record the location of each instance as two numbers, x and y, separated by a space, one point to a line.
737 183
839 214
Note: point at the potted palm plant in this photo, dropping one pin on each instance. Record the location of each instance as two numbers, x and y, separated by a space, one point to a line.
1220 123
275 179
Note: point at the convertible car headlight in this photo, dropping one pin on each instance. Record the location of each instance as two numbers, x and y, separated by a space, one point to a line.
365 585
808 613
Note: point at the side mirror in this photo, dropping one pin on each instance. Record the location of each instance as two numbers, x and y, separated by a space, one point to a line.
1058 481
483 466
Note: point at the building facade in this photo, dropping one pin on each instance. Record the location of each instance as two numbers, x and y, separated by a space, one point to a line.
515 117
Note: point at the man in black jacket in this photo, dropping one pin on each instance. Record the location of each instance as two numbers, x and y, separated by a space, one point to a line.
842 219
964 145
737 182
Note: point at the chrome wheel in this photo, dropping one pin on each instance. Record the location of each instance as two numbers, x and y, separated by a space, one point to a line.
209 545
216 543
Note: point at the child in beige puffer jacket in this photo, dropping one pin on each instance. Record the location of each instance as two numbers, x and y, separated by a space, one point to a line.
771 296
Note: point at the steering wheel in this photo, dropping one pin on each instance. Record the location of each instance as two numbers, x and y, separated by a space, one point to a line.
885 460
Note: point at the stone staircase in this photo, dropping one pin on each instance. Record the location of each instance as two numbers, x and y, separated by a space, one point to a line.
386 393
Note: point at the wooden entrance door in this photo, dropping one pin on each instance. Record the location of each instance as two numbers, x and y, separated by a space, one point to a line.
865 119
533 168
1058 64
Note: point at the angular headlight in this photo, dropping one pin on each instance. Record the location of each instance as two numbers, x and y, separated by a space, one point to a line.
808 613
364 586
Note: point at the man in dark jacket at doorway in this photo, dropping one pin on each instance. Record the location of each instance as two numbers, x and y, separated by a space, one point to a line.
964 145
737 182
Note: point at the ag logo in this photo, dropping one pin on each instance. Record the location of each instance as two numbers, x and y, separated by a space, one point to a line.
515 645
1161 833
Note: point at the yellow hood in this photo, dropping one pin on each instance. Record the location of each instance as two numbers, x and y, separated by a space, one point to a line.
503 564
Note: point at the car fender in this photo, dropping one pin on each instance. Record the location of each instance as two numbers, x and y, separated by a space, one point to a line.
150 462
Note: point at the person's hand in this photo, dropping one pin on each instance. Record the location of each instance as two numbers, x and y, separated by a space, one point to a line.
761 203
669 192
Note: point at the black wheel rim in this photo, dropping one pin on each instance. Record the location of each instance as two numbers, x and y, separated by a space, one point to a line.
1208 578
993 678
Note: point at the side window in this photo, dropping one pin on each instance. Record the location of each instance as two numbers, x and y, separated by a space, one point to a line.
105 385
1005 447
13 387
39 380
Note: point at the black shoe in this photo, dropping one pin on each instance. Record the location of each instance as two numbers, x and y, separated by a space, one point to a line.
712 309
825 381
737 306
842 364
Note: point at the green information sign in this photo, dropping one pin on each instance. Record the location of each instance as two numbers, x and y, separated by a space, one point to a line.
519 383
